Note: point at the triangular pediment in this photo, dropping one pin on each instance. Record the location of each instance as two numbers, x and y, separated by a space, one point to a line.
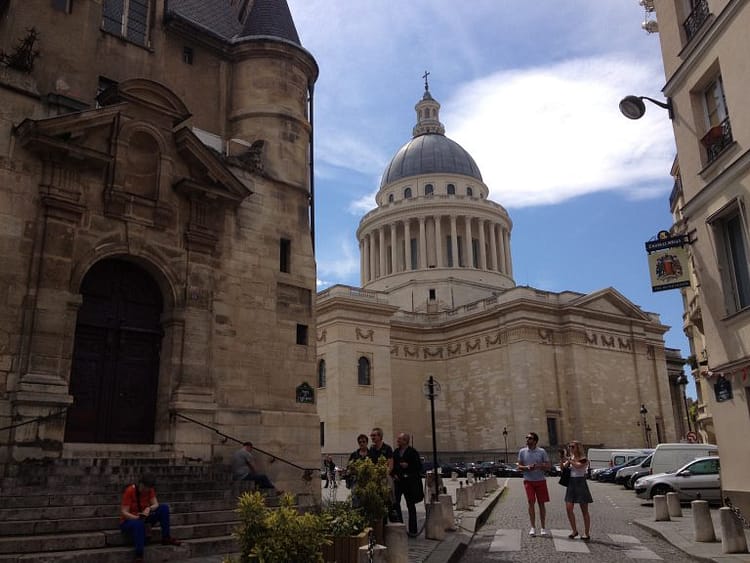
609 301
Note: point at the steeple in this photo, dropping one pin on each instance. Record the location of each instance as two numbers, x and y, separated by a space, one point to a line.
428 113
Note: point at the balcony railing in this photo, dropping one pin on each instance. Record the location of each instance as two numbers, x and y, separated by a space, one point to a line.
717 139
696 19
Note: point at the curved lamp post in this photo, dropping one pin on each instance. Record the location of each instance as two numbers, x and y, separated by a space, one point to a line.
633 107
682 381
505 437
646 427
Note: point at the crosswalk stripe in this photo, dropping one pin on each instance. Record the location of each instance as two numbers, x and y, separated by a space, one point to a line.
564 543
506 540
619 538
636 551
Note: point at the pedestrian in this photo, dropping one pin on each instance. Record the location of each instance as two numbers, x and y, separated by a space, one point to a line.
357 455
330 469
243 468
533 461
407 480
138 509
578 489
380 449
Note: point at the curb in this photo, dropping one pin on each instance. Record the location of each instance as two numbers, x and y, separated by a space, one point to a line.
678 541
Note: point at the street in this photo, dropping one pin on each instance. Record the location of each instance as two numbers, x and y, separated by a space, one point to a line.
614 537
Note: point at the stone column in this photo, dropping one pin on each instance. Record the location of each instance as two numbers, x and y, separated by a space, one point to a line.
482 252
468 258
454 241
362 279
394 250
501 249
381 252
373 256
407 246
438 243
366 258
506 245
422 244
493 245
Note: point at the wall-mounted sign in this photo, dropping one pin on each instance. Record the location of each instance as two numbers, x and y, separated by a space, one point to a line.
668 262
723 389
305 393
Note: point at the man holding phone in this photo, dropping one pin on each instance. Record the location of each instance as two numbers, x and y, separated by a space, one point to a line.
533 461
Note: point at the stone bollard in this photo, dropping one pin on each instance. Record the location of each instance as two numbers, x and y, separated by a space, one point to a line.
379 554
397 543
703 526
733 538
673 505
433 529
492 483
449 520
661 513
470 477
454 475
472 494
462 499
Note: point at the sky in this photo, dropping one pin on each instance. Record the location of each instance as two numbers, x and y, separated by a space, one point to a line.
531 90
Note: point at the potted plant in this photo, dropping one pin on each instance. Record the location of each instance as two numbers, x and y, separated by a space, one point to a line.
348 531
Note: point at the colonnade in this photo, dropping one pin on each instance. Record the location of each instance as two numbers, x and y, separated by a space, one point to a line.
412 244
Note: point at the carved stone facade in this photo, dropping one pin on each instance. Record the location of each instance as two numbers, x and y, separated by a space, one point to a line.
439 300
149 184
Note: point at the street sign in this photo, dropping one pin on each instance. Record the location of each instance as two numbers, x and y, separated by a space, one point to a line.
692 437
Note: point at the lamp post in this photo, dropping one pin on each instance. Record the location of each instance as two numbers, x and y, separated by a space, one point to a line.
431 390
646 427
682 381
633 107
505 437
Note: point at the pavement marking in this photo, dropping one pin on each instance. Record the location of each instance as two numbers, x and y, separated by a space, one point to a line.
564 543
640 552
506 540
618 538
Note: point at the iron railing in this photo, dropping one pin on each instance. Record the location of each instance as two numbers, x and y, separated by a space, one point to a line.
696 19
717 139
37 419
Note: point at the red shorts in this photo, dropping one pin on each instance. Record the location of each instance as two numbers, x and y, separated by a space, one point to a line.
536 490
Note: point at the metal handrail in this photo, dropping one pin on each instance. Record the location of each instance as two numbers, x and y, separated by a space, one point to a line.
308 472
37 419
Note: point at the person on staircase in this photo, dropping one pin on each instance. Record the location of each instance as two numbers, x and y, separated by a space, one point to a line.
243 469
139 508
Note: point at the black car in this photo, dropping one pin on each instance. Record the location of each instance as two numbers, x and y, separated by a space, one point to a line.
508 470
447 469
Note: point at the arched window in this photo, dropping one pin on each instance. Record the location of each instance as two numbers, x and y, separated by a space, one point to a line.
451 189
390 198
363 371
407 193
322 373
469 192
428 189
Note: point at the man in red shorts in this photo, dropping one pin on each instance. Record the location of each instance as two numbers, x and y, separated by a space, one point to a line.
533 461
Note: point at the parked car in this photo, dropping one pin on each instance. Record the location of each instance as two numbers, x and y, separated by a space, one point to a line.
489 468
609 475
475 468
668 457
697 480
508 470
624 474
630 483
446 469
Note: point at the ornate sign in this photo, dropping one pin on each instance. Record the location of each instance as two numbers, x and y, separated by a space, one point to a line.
668 262
305 393
723 390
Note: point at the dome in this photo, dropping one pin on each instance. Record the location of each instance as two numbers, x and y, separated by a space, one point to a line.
432 153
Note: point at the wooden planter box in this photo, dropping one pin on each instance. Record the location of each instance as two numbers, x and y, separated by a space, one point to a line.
345 549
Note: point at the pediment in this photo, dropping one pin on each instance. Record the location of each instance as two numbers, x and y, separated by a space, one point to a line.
611 302
149 94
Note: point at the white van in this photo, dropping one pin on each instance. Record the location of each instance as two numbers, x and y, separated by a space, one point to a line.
601 458
670 457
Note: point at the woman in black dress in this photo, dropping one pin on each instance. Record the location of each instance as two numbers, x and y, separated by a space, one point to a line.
578 489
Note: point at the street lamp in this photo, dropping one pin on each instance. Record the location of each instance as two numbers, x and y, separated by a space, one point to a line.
431 390
633 107
682 381
646 427
505 437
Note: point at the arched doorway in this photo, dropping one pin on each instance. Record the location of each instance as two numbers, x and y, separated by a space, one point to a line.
115 369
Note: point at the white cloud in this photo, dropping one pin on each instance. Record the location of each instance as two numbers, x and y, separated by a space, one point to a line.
363 204
542 135
337 263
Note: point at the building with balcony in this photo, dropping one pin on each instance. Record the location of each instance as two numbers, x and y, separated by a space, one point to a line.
438 298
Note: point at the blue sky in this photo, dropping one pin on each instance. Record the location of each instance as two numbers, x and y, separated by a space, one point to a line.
531 90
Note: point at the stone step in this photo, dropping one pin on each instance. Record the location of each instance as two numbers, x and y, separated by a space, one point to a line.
110 499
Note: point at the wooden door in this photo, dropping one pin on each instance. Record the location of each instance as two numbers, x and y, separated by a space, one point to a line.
115 369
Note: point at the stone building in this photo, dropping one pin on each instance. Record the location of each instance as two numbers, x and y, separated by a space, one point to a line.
155 233
704 45
438 299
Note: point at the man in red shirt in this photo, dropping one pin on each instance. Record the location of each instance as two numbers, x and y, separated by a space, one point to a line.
140 507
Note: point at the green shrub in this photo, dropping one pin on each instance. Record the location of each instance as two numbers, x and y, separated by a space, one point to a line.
371 490
342 519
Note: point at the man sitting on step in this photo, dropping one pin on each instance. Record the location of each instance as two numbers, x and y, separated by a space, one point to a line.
243 468
139 508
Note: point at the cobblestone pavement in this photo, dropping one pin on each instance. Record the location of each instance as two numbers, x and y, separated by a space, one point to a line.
614 536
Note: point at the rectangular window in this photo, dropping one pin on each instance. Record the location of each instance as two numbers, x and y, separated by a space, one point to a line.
432 294
128 18
730 233
285 255
449 251
552 431
475 252
302 335
322 433
187 55
718 134
414 253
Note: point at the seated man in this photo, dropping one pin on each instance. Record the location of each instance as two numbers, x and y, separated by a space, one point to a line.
243 468
138 508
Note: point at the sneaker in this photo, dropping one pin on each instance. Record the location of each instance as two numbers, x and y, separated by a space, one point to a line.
545 532
170 541
532 532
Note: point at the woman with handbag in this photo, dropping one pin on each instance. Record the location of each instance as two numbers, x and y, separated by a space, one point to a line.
578 489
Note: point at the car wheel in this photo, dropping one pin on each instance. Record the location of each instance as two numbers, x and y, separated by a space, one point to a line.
660 490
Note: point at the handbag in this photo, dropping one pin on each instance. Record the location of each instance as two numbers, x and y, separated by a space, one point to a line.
565 476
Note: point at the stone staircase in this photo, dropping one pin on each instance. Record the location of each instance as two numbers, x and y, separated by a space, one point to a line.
68 509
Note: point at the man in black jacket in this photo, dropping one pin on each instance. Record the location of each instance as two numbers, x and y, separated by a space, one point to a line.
407 479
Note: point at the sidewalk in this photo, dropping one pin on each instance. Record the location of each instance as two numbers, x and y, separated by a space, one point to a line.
679 532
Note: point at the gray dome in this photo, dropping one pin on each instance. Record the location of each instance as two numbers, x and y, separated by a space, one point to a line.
430 154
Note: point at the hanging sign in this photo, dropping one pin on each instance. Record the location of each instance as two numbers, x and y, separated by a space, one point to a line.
305 393
668 261
723 389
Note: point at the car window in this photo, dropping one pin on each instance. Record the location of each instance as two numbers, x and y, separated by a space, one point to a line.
704 467
647 462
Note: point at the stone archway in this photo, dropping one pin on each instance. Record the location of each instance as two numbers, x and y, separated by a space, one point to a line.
115 369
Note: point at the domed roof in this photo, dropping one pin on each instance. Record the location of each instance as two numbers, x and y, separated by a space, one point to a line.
431 153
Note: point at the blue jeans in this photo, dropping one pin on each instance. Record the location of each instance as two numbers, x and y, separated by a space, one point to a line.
137 528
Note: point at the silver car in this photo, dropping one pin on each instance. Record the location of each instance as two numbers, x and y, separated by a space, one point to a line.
697 480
